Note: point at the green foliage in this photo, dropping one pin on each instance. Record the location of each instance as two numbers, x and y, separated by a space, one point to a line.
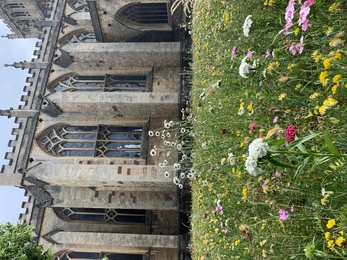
16 243
305 181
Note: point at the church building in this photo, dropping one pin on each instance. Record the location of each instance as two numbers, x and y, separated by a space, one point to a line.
105 73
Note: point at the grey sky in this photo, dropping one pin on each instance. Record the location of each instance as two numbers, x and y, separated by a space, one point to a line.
13 82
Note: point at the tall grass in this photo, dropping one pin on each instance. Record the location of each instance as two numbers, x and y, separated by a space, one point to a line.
295 206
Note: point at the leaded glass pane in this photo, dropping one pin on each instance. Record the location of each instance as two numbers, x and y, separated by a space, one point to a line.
99 141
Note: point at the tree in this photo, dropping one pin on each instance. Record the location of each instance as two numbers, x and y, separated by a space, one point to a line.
16 243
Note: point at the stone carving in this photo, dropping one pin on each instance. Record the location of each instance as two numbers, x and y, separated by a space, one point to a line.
43 198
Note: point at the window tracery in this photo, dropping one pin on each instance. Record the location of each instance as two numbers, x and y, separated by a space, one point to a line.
79 5
96 255
104 215
108 83
144 13
93 141
83 37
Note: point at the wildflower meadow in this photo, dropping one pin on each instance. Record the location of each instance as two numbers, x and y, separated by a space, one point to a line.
267 146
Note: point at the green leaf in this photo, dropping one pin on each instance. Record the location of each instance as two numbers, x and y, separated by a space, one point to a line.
320 161
302 166
329 143
280 164
299 141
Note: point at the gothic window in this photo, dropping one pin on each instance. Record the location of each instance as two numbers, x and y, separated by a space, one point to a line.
83 37
79 5
108 83
104 215
95 255
144 14
14 5
94 141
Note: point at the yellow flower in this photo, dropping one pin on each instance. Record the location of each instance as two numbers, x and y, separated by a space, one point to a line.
273 131
329 102
334 7
339 241
328 31
336 42
314 95
237 242
282 96
250 107
244 193
298 86
327 62
336 78
334 88
327 236
272 65
290 66
331 223
323 78
318 58
322 111
296 31
268 2
338 56
331 244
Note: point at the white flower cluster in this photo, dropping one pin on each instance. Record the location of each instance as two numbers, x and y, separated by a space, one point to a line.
257 149
247 25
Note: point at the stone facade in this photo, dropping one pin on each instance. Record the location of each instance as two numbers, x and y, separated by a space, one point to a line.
105 73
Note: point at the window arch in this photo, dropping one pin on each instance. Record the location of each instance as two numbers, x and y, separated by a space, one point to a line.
104 215
143 14
108 83
93 141
79 5
97 255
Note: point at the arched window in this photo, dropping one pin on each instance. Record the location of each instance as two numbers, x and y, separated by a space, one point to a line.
83 37
93 141
143 14
104 215
93 255
79 5
108 83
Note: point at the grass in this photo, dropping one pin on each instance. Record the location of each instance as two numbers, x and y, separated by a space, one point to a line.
296 207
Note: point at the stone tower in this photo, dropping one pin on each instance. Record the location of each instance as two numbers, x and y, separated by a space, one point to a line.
105 73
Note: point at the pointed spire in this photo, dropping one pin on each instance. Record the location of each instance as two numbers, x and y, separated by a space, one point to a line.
23 113
29 65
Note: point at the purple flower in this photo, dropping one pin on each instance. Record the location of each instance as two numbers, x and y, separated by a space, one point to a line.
275 119
234 52
267 54
284 215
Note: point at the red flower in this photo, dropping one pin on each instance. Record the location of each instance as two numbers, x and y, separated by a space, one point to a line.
290 133
223 131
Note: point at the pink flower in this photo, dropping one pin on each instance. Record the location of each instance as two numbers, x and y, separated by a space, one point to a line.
305 25
286 27
292 208
234 52
263 186
225 231
298 47
267 54
277 174
289 15
275 119
309 3
304 11
283 214
251 127
250 54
